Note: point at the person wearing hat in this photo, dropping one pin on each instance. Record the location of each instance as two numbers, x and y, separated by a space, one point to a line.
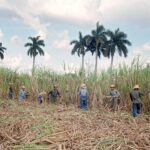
135 96
114 97
54 94
83 96
22 93
10 91
40 97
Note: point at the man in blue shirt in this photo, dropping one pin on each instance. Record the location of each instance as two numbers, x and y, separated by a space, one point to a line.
83 95
22 94
40 97
135 96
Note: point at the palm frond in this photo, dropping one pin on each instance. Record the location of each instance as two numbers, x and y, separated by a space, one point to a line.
30 38
73 42
75 49
30 52
1 50
41 43
80 36
126 42
38 37
1 55
28 44
40 50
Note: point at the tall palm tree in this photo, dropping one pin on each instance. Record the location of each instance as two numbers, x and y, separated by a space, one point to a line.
95 42
79 48
117 42
35 49
2 49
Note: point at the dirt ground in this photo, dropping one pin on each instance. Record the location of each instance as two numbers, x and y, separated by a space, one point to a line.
29 126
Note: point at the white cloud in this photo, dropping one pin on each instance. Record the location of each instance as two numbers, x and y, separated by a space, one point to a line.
146 47
22 10
15 39
137 52
143 50
33 12
34 22
1 34
61 44
78 11
46 57
134 12
12 62
63 41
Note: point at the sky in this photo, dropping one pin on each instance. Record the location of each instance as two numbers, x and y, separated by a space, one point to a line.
58 22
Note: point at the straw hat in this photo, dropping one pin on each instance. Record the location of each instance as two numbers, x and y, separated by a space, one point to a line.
83 85
136 86
42 93
112 86
55 86
23 87
10 83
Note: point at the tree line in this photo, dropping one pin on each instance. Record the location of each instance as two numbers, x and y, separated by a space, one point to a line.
100 41
35 47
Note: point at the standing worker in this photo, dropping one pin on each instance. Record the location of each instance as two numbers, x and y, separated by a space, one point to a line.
54 94
10 91
114 97
40 97
83 95
22 94
135 96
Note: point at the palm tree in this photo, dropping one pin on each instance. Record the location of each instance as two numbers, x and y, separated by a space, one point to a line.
95 42
2 49
35 49
117 42
79 48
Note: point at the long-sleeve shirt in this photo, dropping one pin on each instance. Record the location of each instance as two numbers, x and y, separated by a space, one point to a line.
113 93
135 96
83 93
54 93
22 95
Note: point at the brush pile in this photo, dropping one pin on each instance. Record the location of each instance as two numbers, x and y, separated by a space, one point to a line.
50 127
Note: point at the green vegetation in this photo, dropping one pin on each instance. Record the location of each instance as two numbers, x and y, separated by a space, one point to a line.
2 49
35 49
125 77
25 126
96 42
117 42
101 41
79 48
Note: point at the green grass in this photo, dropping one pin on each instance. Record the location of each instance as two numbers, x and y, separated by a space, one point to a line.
125 77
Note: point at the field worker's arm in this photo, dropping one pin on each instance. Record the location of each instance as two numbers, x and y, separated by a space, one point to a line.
108 95
118 94
48 95
141 94
58 92
78 98
131 97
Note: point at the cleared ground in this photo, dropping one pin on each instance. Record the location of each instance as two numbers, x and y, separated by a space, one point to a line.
29 126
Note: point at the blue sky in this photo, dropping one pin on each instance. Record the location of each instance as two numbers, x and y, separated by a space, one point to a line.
59 21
